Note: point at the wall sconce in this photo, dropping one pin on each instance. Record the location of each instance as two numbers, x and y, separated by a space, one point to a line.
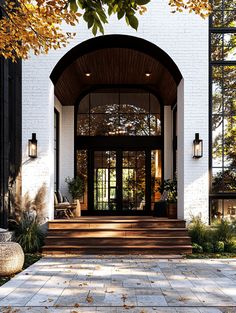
197 147
32 146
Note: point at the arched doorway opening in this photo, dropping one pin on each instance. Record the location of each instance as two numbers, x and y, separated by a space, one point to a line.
124 93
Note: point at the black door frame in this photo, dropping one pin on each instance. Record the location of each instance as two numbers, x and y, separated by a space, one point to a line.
119 143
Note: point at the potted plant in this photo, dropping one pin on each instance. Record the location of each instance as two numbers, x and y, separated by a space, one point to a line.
76 189
169 186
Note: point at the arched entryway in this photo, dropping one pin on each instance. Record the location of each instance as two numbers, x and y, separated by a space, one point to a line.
124 91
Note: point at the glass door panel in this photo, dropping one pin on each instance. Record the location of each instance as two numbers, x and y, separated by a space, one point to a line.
105 180
133 180
156 173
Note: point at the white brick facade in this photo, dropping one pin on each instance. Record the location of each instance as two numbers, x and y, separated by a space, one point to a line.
185 38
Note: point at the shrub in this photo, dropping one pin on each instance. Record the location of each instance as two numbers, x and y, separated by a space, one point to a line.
76 186
197 248
208 247
28 217
225 231
197 230
29 235
230 247
219 246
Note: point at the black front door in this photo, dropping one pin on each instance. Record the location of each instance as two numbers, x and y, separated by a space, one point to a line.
119 181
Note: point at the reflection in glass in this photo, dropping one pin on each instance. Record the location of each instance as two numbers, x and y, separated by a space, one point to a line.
133 180
119 114
223 180
155 176
223 46
105 180
223 128
224 18
223 208
82 159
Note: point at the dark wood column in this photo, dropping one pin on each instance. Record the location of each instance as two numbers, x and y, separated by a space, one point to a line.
10 136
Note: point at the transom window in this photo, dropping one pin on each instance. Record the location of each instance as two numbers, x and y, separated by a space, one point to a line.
119 113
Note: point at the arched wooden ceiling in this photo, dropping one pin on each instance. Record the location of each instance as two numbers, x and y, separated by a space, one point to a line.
121 62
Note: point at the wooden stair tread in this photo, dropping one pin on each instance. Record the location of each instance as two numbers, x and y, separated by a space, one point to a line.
118 229
121 237
116 247
83 220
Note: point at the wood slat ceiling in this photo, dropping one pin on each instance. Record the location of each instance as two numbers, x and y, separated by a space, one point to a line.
115 66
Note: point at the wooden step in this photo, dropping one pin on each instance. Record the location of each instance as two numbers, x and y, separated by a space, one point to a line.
119 235
115 224
100 250
150 232
114 241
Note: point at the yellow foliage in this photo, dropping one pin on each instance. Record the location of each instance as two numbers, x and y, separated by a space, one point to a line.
34 25
200 7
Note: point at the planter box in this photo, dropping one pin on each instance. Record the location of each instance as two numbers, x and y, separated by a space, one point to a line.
172 210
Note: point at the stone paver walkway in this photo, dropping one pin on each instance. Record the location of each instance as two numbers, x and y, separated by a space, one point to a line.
122 284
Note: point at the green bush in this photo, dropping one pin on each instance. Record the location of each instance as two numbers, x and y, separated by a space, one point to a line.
29 235
230 247
197 248
219 246
197 230
76 186
208 247
225 230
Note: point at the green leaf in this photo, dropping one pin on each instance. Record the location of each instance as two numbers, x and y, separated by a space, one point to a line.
133 21
110 10
120 14
90 22
142 2
81 4
73 6
94 29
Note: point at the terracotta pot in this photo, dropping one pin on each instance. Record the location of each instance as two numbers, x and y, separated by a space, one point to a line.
172 210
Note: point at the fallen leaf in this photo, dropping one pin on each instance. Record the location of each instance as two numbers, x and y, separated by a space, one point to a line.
127 307
76 305
182 299
89 299
124 297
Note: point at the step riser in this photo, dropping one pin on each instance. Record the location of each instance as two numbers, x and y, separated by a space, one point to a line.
115 241
113 226
118 251
116 233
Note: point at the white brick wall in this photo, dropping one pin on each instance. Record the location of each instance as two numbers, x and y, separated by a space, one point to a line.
185 38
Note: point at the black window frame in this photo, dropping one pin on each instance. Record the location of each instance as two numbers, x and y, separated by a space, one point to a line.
213 63
56 150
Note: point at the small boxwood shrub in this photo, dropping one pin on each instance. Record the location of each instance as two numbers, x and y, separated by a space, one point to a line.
219 246
230 247
208 247
197 248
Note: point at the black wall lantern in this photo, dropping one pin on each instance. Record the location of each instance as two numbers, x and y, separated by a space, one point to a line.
32 146
197 147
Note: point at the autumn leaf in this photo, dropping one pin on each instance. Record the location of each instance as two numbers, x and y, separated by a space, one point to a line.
36 25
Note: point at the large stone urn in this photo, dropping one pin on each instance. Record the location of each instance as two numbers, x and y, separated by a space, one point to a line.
11 258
